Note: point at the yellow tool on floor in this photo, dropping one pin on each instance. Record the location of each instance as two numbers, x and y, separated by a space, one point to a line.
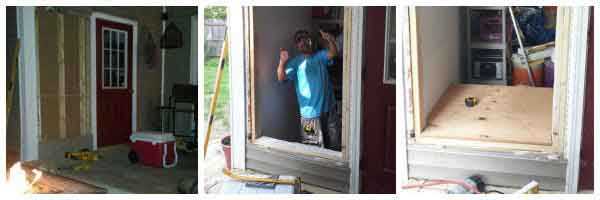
471 101
213 105
85 155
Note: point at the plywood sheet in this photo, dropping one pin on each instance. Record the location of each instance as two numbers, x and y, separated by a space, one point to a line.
507 114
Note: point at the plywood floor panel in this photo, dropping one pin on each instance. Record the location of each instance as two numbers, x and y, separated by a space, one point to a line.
511 114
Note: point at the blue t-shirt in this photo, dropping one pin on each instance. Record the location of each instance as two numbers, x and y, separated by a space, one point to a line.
313 88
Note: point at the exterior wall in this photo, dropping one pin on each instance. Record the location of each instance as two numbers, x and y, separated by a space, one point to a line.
177 63
63 86
72 85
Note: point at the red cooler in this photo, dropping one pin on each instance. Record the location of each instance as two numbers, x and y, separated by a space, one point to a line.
153 148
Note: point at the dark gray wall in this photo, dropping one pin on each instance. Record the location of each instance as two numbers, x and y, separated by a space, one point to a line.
13 129
177 61
277 113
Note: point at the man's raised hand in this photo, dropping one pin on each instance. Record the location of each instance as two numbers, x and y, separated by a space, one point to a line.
326 36
283 55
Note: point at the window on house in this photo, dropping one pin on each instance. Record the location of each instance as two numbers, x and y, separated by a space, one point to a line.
389 72
114 58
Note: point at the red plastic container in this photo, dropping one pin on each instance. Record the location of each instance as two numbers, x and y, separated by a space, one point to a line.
154 149
226 144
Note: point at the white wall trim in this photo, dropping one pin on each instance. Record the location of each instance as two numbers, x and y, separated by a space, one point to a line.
356 63
201 122
237 90
29 91
93 104
576 97
402 27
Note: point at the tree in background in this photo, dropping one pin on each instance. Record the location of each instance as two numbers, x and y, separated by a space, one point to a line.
215 12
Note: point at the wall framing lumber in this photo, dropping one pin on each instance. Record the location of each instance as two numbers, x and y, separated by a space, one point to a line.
346 81
250 52
419 118
62 108
559 114
82 63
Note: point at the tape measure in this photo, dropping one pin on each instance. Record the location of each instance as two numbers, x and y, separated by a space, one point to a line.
471 101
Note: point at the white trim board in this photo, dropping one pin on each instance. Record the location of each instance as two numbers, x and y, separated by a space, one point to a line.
576 88
237 88
402 27
29 91
93 104
356 62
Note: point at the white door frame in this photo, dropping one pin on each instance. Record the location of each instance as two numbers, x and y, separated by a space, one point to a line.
402 27
29 90
238 122
577 55
93 104
235 35
356 63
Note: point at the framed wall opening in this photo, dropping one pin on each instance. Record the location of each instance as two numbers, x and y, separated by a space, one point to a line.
273 116
509 116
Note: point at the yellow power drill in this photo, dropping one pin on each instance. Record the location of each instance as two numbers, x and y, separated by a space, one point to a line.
85 155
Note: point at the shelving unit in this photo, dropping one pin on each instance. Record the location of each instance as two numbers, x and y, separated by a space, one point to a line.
486 45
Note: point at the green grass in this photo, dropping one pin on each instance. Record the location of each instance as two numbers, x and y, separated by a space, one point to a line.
210 76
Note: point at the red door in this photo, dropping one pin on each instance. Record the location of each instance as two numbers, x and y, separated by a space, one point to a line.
113 81
378 154
586 173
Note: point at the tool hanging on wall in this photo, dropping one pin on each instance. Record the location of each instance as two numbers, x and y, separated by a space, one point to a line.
522 52
213 104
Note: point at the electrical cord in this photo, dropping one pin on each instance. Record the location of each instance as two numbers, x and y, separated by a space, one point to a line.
440 182
494 191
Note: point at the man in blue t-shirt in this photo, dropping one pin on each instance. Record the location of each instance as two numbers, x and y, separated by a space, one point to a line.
315 95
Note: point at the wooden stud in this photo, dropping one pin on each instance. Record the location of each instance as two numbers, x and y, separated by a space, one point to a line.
62 113
346 104
559 112
417 77
82 75
252 74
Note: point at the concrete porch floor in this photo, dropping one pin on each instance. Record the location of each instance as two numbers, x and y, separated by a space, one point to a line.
115 173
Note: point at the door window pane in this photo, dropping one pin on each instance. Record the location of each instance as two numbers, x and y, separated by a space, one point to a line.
114 59
389 71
